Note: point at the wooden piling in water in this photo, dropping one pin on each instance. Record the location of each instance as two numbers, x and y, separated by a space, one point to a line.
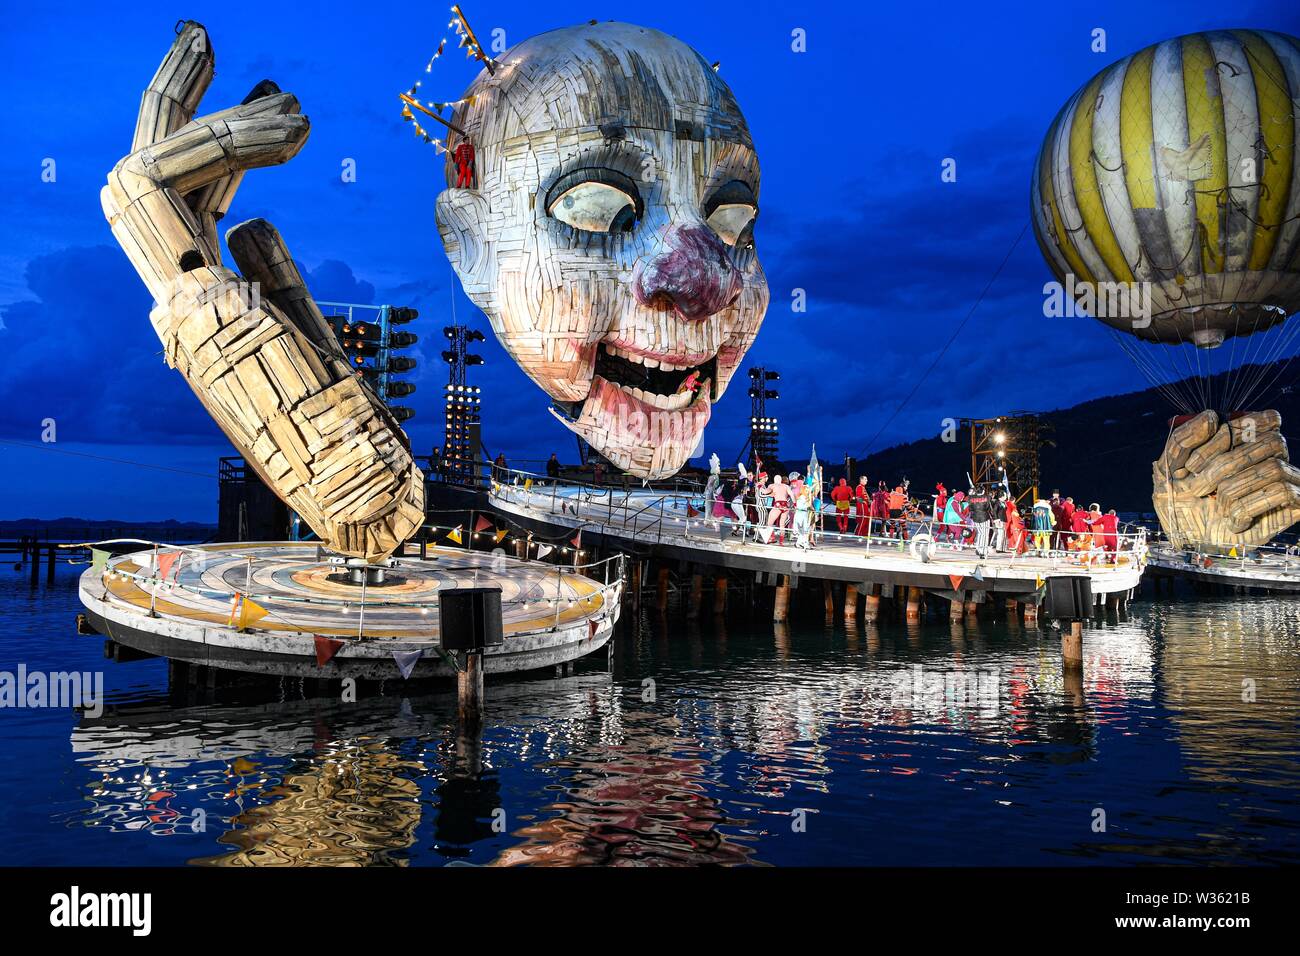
720 594
1072 645
914 604
697 593
871 604
469 690
955 609
850 604
781 606
828 598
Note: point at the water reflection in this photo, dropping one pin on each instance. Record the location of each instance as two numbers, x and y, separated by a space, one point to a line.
705 739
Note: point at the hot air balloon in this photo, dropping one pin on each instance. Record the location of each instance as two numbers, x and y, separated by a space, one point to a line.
1166 199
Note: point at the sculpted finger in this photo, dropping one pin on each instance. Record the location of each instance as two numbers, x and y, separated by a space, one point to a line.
1230 463
1247 482
1273 503
173 95
211 203
144 199
1201 457
1187 437
202 153
1249 426
263 258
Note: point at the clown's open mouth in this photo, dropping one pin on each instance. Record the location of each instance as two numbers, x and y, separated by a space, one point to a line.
660 385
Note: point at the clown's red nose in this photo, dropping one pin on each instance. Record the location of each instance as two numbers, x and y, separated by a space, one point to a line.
691 271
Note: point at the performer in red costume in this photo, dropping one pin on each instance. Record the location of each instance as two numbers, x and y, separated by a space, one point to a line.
1017 540
842 494
1110 531
862 495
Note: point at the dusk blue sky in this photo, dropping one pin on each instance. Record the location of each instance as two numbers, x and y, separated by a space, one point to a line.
851 136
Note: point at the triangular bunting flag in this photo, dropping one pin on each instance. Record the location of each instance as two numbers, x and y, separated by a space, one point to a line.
1038 581
235 604
405 660
454 535
250 612
979 575
326 648
482 524
98 559
956 580
543 550
166 561
1232 553
766 533
528 484
691 512
501 534
591 629
576 540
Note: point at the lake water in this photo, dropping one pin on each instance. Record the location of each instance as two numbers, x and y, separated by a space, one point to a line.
726 742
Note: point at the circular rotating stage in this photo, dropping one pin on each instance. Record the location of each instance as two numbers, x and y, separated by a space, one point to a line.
298 608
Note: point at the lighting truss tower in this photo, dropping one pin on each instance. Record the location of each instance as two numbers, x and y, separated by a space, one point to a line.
1004 451
371 345
461 444
762 427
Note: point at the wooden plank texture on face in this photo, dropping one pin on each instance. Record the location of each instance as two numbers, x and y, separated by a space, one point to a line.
634 101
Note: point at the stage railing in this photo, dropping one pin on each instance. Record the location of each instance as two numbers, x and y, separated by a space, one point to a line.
557 497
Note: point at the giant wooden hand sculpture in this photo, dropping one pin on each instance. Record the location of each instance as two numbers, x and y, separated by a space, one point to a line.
254 348
1223 485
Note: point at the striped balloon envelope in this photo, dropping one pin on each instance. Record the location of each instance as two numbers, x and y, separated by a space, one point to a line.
1166 196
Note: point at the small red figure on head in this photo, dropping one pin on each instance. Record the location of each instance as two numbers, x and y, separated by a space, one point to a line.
464 158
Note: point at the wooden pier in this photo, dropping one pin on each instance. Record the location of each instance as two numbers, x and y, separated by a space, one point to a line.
674 543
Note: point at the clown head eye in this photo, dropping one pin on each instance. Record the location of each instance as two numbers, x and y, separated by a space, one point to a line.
732 221
595 200
730 212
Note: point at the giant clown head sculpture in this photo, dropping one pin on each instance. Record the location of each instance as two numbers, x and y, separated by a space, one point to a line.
607 232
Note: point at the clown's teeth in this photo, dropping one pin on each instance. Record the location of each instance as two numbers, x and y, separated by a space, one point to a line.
649 362
655 445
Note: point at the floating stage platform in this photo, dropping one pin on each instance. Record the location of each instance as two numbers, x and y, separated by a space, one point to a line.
1266 571
671 526
305 616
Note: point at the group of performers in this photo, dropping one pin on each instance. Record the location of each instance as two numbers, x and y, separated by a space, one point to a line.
767 507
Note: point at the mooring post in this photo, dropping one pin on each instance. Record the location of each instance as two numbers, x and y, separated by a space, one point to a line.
781 606
972 610
828 598
36 562
49 565
955 608
469 689
1031 612
851 604
1072 645
720 594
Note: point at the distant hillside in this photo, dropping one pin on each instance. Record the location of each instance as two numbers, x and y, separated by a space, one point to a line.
1103 449
66 529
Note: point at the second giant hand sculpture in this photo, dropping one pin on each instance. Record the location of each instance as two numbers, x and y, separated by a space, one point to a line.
607 232
254 347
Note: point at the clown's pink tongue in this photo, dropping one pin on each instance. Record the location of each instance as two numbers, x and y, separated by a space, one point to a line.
637 435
